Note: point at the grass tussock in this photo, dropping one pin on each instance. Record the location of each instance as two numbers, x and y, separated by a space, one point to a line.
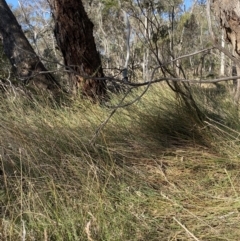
153 172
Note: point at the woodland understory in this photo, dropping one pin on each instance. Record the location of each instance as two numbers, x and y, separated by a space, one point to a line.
144 146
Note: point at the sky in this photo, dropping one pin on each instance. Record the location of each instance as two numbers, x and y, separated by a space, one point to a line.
188 3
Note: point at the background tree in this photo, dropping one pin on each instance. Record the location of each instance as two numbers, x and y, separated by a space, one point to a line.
36 22
160 33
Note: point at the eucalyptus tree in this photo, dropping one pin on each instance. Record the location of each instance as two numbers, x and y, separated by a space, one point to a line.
4 63
37 24
164 42
154 39
194 37
25 62
227 13
110 32
74 36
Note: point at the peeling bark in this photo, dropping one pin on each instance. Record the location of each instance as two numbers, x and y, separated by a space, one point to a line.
74 35
228 13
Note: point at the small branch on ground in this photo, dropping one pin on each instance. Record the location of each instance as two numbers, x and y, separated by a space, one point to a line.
187 231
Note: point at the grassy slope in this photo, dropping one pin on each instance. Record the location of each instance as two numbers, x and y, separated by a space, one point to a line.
152 173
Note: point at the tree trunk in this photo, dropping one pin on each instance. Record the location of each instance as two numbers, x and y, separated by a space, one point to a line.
24 60
222 55
228 14
74 35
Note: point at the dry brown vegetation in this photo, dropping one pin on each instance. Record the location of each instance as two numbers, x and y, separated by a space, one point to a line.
153 172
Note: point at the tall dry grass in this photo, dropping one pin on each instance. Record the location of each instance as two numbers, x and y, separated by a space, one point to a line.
153 172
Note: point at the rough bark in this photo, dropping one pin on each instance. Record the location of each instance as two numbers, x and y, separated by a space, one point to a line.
74 35
228 14
24 60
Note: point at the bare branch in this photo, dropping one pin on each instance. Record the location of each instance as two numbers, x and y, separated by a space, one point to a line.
184 80
104 123
188 55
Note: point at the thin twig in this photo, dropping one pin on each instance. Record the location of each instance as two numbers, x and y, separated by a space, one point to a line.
187 231
191 81
103 124
71 68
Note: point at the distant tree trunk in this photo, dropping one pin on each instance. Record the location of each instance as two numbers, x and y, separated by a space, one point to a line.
222 64
24 60
228 14
74 35
145 63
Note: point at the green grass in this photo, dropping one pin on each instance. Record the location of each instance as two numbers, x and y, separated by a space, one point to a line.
153 172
